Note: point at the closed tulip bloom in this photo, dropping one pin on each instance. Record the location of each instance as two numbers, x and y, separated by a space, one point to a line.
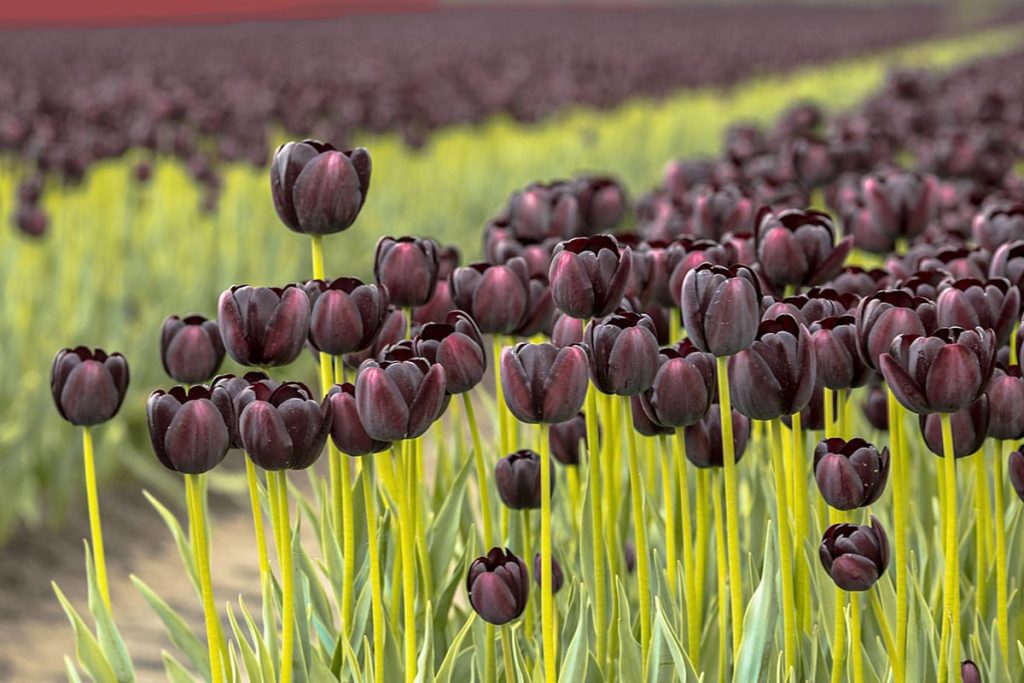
189 430
970 427
455 345
900 203
542 211
190 348
542 383
439 306
876 408
998 224
643 423
88 386
567 330
235 387
839 365
683 387
850 474
407 267
495 295
859 281
567 439
391 332
776 375
704 438
926 284
855 556
264 326
1008 262
884 316
399 399
969 672
797 248
346 315
540 309
283 427
1015 467
557 577
720 210
940 373
589 275
318 190
813 414
498 585
347 431
517 478
686 253
603 202
817 304
1006 403
721 308
969 303
623 353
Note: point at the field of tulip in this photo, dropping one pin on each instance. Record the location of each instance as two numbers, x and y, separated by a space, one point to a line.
709 433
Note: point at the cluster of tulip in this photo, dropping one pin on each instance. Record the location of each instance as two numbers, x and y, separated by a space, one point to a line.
713 342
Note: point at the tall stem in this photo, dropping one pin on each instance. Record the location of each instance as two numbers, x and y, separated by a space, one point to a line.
789 614
668 506
692 607
952 581
279 499
1002 594
503 445
700 560
257 521
803 524
343 506
482 481
900 495
506 654
720 572
839 640
981 531
200 551
643 569
856 651
529 627
377 599
546 593
95 528
732 514
407 533
596 525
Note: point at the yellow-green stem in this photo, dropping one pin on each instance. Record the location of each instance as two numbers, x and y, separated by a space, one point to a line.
596 525
856 651
732 508
830 413
572 477
1002 594
952 581
643 569
670 521
257 520
284 559
683 476
317 253
789 614
503 445
900 493
981 531
200 551
720 572
1014 360
700 560
95 528
803 524
883 625
506 654
839 639
414 475
482 481
529 626
547 596
342 500
376 596
407 533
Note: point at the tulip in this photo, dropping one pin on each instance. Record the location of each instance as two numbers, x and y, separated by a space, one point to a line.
189 429
721 308
88 386
968 303
191 348
998 224
557 577
1015 467
391 332
399 399
517 477
839 366
567 439
704 438
448 259
776 375
542 211
407 267
540 309
318 190
495 295
900 203
683 388
970 427
347 431
623 353
438 308
236 391
686 253
498 585
589 275
876 408
720 210
1006 403
940 373
283 427
500 245
263 326
859 281
455 345
797 248
643 423
958 261
969 672
850 474
543 384
603 202
816 305
567 330
346 315
855 556
885 315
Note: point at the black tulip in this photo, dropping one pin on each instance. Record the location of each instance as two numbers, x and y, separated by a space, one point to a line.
855 556
1015 468
543 384
191 348
400 398
566 439
496 296
969 426
623 353
283 427
1006 403
704 438
683 388
557 577
407 267
517 478
347 431
318 190
88 386
455 345
239 397
189 429
263 326
850 474
498 585
346 314
721 308
589 276
776 375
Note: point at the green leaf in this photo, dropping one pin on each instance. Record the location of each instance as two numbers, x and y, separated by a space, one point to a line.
425 661
574 664
760 620
181 539
177 629
630 666
87 648
264 649
109 637
680 660
444 530
72 670
254 673
176 673
444 672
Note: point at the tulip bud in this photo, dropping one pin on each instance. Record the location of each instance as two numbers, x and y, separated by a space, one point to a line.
517 477
798 247
900 203
264 326
391 332
557 578
318 190
855 556
88 387
438 308
542 383
623 353
817 304
859 281
683 388
542 211
885 315
721 308
495 295
603 202
642 422
687 253
455 345
191 348
704 438
235 388
839 366
567 330
775 376
190 430
850 474
283 427
993 304
540 309
346 315
589 275
876 408
1015 468
498 585
1006 403
567 438
998 224
399 399
407 267
347 431
720 210
970 426
969 672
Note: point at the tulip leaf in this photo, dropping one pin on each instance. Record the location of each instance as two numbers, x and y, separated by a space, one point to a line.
425 660
444 672
71 670
680 659
87 648
181 540
177 629
266 661
443 532
760 619
630 664
176 673
574 664
253 672
108 635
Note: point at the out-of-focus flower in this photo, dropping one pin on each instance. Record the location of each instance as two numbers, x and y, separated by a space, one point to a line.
557 577
970 427
704 438
407 267
797 248
495 295
517 478
567 439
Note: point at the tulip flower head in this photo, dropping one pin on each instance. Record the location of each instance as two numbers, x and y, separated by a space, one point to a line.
850 474
623 353
318 190
855 556
557 577
885 315
589 276
407 267
970 427
775 376
683 388
346 314
517 478
283 427
567 438
797 248
399 398
839 365
88 386
236 391
542 383
969 672
721 308
347 431
191 348
1015 467
704 438
264 326
189 429
993 304
495 295
498 585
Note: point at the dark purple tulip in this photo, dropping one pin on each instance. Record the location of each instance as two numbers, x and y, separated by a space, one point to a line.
517 478
643 423
283 427
1015 468
859 281
683 388
31 220
317 189
1006 402
704 438
839 365
542 383
940 373
686 253
567 330
190 430
855 556
589 275
407 267
797 248
567 439
455 345
542 211
813 414
1008 262
346 314
448 259
235 387
997 224
603 202
264 326
958 261
190 348
438 308
926 284
347 430
885 315
720 210
88 386
994 304
540 309
817 304
623 353
969 672
775 376
721 308
500 245
876 408
970 427
850 474
495 295
498 585
900 203
391 332
399 399
557 578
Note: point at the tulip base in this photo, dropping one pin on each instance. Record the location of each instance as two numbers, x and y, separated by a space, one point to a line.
95 527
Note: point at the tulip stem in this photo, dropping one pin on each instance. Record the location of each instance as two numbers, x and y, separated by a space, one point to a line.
900 494
883 625
789 613
951 619
503 445
1002 595
720 572
670 520
596 524
482 482
95 528
683 482
803 524
643 569
828 398
700 562
732 514
839 639
377 600
1014 360
547 595
981 530
572 477
506 654
414 475
529 627
277 484
407 533
200 551
856 650
317 252
257 520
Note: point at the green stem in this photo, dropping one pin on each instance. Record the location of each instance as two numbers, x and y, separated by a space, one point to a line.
95 528
643 569
803 524
1002 594
883 625
692 607
720 572
900 495
700 560
482 481
506 654
839 640
377 598
343 505
317 252
257 520
828 399
414 475
670 521
546 593
528 623
200 551
503 446
732 513
856 650
789 613
284 559
407 540
596 524
952 580
981 531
